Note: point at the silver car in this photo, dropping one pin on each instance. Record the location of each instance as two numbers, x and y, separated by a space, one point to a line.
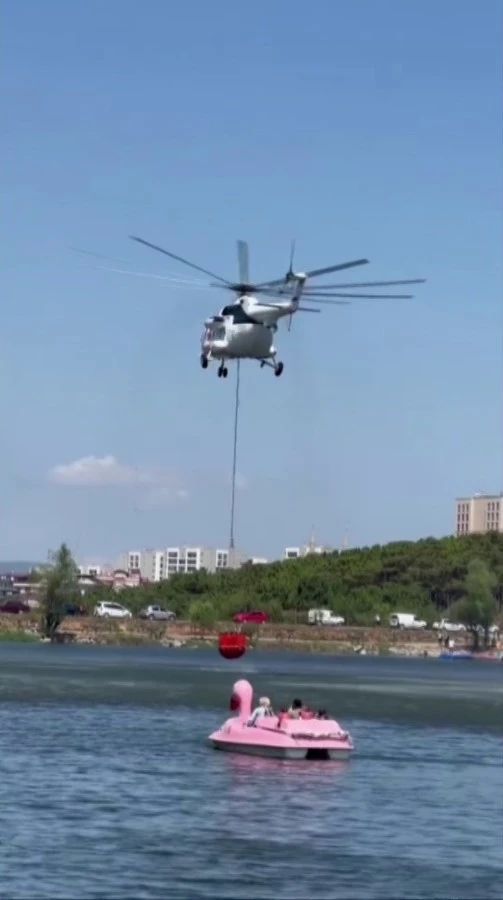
157 614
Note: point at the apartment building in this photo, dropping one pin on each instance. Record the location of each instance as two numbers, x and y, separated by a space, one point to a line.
183 560
91 570
305 550
157 565
151 564
479 514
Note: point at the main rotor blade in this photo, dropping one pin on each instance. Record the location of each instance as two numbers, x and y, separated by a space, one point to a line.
247 288
314 273
243 262
362 284
176 280
272 306
318 294
329 302
299 308
179 259
292 253
287 298
284 305
97 255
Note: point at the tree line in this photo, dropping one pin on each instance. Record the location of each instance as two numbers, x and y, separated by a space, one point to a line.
462 575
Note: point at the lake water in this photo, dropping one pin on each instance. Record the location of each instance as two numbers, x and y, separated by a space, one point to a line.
109 789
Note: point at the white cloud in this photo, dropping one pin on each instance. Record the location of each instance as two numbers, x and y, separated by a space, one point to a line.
95 471
107 471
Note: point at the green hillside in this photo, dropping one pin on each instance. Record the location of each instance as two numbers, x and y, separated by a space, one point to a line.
424 577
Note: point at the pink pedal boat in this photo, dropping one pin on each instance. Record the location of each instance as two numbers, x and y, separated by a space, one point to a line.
288 739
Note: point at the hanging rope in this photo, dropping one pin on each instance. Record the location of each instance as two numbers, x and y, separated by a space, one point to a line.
234 459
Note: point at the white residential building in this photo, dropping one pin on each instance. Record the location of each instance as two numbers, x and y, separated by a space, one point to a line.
479 514
306 550
91 570
292 553
153 564
133 561
156 565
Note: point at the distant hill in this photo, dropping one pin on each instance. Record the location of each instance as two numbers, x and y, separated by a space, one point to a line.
19 566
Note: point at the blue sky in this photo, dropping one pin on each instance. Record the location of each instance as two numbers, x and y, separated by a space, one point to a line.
360 128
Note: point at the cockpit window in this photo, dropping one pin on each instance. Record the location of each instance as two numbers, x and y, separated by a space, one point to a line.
239 316
214 332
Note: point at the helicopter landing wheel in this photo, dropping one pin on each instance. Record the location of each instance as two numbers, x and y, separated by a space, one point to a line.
204 361
222 371
278 369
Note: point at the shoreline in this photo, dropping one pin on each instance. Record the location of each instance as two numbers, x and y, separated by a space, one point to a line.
356 640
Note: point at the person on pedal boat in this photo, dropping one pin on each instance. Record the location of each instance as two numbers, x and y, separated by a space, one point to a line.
264 708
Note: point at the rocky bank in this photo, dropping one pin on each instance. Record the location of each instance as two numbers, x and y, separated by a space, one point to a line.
295 637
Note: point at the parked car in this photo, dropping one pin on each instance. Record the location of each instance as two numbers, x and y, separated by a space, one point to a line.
406 620
323 617
109 610
255 615
158 614
75 609
493 629
447 625
14 607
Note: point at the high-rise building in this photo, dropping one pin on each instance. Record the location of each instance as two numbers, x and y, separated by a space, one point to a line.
479 514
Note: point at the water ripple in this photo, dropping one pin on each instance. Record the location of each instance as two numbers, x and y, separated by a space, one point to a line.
106 799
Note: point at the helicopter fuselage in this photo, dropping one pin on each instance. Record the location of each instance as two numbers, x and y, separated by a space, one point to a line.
244 330
225 338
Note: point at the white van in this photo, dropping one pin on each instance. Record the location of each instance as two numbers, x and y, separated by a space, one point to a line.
323 617
406 620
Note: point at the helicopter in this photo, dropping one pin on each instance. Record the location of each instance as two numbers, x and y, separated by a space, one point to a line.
245 328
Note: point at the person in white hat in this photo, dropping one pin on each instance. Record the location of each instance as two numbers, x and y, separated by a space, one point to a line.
264 708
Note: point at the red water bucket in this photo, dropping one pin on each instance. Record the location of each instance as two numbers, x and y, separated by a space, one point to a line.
232 644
